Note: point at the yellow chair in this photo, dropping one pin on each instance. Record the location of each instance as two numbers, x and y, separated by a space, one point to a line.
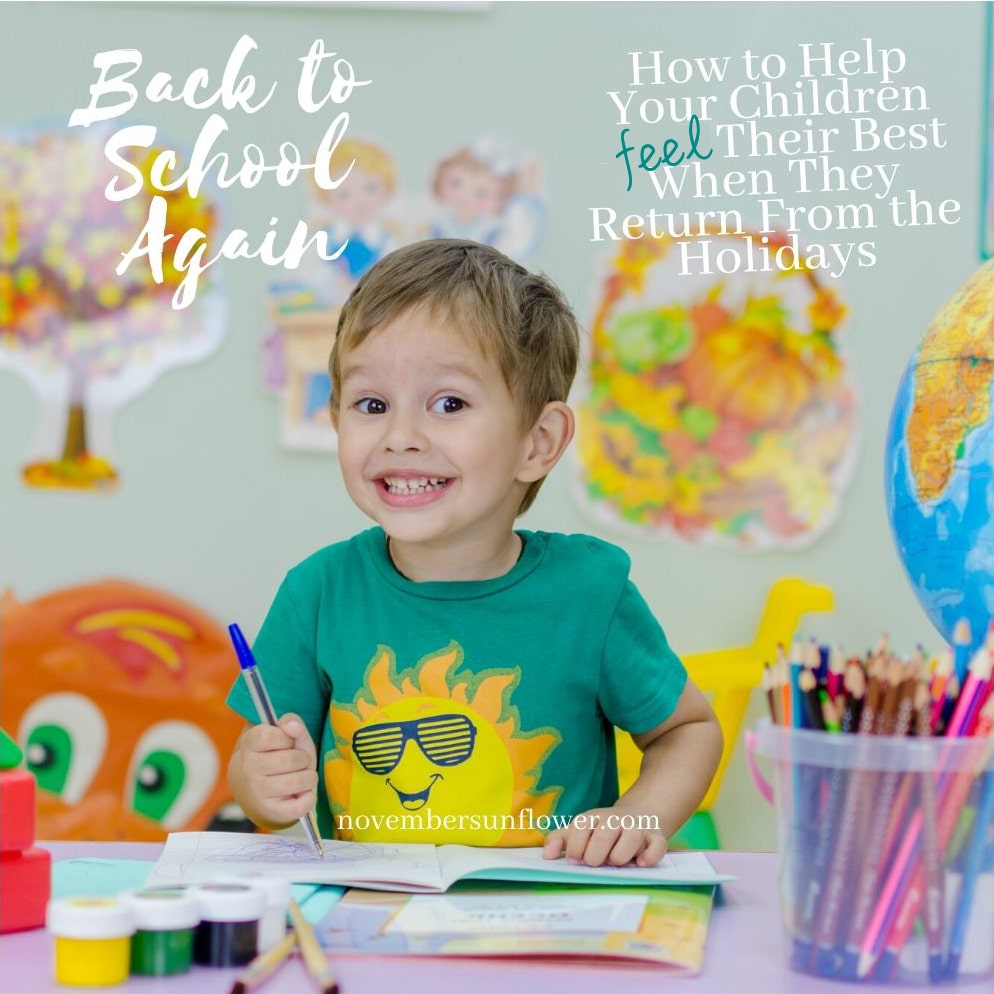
729 676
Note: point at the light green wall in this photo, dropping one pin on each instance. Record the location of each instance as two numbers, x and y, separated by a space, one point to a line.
213 509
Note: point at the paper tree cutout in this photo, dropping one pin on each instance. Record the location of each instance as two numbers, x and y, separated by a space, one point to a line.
85 338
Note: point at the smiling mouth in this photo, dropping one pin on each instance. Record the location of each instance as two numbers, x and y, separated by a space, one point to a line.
404 485
411 802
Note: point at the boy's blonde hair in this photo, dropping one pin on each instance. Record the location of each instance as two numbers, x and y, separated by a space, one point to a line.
520 319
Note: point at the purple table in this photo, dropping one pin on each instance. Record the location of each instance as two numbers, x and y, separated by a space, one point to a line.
745 955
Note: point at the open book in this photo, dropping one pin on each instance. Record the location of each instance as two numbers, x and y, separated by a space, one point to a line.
192 857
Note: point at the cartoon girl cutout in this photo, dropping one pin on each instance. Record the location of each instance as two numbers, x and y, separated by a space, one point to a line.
485 193
352 214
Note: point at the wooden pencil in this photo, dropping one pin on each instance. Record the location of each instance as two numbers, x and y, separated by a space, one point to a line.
314 957
265 965
768 683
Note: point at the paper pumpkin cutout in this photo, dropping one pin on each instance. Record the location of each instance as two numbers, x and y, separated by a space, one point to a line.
115 693
719 409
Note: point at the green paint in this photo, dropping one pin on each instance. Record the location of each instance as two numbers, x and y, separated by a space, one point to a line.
160 954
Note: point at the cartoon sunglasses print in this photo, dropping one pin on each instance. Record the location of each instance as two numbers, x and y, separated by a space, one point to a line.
445 740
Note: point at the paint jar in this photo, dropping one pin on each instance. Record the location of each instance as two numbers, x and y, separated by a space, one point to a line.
272 926
92 940
164 923
228 933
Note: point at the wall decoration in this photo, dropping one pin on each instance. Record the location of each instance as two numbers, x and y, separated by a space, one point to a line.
85 338
115 692
486 192
359 217
718 408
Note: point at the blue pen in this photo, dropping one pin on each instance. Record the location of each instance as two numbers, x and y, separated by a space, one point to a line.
264 708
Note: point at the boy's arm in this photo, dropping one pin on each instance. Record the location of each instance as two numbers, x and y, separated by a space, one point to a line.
680 757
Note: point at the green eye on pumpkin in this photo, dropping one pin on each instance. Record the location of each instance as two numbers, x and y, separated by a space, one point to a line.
173 770
159 782
64 737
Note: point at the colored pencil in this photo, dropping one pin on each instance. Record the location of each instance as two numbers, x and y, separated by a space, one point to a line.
783 676
896 715
940 681
769 687
935 898
855 684
822 855
836 672
842 868
983 819
808 684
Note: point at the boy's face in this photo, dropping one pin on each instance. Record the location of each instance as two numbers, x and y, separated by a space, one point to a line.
429 436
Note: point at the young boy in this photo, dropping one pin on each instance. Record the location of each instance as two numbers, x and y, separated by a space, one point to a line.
462 679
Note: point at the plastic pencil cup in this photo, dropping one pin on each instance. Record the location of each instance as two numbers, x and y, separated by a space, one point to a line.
885 852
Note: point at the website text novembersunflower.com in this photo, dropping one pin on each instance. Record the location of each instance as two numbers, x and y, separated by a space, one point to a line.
525 819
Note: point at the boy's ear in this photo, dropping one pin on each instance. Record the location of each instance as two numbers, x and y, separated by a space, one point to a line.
547 441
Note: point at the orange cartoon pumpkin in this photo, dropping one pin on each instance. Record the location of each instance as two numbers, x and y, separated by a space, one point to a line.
115 692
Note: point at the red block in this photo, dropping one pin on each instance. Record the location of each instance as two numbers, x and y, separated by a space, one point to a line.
17 810
25 886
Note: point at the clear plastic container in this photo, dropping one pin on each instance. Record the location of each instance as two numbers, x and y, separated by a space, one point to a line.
886 853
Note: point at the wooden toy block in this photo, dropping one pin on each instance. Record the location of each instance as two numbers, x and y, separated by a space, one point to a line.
17 810
25 887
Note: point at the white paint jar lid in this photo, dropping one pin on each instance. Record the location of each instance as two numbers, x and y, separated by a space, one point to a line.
163 910
90 918
276 889
235 901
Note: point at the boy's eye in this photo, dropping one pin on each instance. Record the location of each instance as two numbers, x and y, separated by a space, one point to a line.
448 405
371 405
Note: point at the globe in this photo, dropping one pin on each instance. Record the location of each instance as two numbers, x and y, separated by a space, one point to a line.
939 473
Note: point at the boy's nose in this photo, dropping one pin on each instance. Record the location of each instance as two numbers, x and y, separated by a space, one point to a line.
404 434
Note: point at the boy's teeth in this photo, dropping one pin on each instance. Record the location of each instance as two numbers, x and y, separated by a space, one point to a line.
413 485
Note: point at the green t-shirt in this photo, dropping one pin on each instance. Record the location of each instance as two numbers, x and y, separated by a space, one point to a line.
464 711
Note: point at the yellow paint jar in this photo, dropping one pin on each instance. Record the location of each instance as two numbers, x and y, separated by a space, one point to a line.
92 940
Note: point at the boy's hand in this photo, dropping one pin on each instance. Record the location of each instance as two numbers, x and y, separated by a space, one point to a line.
607 835
273 772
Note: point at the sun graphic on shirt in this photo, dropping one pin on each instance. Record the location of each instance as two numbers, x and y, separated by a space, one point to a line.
433 755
